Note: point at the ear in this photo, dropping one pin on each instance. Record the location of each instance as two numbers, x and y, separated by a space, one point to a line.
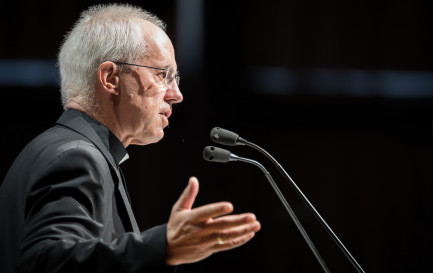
108 77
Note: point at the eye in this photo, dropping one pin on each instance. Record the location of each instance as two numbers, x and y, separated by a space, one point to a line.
162 74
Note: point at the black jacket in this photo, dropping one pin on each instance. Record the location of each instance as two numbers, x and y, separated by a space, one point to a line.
63 208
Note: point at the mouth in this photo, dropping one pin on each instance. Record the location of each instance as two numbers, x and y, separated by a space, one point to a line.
166 113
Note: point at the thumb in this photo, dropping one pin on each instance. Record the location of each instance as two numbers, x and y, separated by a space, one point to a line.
187 198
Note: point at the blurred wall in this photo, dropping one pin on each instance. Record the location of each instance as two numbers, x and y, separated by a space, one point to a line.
338 91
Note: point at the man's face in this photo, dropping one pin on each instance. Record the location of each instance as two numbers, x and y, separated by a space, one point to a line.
145 101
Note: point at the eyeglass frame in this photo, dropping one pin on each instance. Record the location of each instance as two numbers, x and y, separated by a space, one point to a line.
176 76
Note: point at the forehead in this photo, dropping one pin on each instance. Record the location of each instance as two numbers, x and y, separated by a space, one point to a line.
160 50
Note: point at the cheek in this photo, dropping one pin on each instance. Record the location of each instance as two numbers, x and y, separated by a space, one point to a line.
150 114
149 107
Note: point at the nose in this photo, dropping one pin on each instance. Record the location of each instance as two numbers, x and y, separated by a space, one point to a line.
173 94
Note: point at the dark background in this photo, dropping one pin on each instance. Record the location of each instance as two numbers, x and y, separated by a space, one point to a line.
364 161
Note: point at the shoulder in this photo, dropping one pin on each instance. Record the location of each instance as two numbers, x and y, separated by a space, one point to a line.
68 163
57 144
60 149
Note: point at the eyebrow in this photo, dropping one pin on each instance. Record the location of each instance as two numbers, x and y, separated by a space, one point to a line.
170 67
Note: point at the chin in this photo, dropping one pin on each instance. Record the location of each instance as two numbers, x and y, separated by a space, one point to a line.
157 139
149 139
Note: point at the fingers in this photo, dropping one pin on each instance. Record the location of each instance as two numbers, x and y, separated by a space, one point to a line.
234 234
187 198
232 230
193 234
230 244
213 210
231 221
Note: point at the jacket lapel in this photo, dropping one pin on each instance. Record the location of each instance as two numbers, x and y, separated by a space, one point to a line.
74 122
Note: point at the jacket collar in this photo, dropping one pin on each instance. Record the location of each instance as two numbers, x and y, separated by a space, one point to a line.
97 133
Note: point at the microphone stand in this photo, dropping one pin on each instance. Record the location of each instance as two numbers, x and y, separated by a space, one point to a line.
215 154
311 207
287 207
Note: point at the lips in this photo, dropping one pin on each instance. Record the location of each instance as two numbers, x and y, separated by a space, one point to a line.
166 113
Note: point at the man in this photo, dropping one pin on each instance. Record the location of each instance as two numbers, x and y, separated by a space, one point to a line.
63 203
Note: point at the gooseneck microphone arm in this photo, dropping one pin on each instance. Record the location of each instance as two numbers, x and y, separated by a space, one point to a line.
216 154
226 137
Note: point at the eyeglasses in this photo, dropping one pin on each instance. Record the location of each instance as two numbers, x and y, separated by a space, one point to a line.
169 76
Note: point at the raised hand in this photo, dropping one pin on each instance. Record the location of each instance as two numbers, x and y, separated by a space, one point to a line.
195 234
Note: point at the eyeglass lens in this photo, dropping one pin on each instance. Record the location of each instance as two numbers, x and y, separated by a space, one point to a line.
171 75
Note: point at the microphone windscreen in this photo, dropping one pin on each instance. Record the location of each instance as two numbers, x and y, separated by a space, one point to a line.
216 154
223 136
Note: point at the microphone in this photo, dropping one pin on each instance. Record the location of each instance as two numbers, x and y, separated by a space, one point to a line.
215 154
226 137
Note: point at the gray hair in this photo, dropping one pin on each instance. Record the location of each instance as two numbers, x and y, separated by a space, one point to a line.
102 33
